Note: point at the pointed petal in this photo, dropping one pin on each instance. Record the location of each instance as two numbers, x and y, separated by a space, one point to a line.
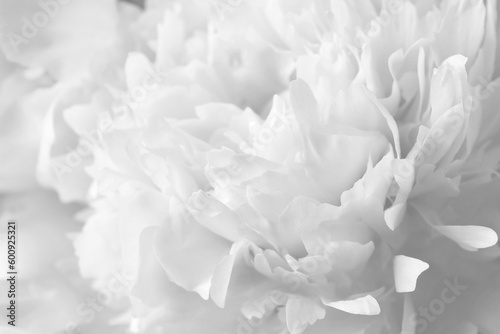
406 272
366 305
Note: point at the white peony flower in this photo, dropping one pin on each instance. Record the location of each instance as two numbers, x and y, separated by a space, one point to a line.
320 213
264 166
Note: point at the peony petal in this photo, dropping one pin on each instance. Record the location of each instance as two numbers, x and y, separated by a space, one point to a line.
454 35
337 161
470 237
366 305
448 86
301 312
406 272
222 275
194 270
304 104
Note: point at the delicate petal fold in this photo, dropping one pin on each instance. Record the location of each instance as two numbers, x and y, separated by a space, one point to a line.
406 272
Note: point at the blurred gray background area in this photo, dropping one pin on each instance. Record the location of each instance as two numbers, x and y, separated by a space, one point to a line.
139 3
